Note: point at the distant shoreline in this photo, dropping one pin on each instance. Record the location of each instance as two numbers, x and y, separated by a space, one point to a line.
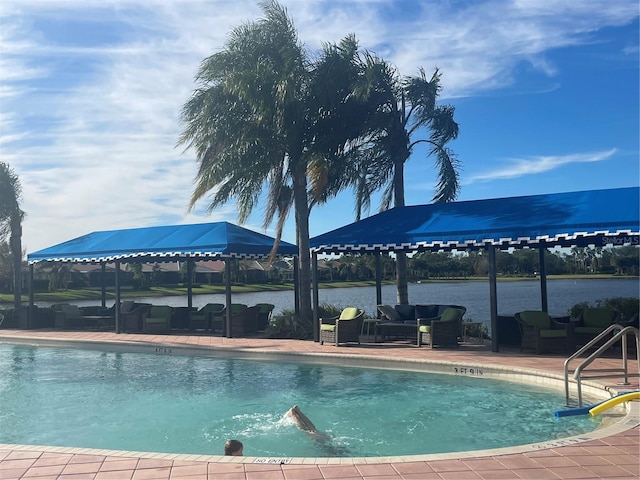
92 294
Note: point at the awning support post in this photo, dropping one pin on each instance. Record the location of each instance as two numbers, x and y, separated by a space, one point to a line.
227 283
543 277
314 297
117 287
493 299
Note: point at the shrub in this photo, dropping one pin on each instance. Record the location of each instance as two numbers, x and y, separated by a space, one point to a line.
476 331
288 325
578 308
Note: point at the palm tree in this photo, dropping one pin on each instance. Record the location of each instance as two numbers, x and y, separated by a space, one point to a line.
11 217
403 114
266 115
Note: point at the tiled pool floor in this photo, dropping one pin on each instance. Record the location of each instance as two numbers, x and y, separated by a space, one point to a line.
614 455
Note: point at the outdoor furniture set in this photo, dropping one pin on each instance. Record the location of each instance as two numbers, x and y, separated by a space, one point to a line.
544 334
148 318
66 315
428 324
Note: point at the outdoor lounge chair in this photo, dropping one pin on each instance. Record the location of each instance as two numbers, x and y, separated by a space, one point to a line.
219 319
442 330
342 329
542 334
67 316
265 314
158 320
203 318
592 322
131 315
245 321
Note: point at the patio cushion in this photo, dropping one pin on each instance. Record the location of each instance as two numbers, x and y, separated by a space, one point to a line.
127 306
424 329
328 327
449 314
553 333
427 311
536 319
595 330
349 313
389 313
71 311
406 312
156 320
599 318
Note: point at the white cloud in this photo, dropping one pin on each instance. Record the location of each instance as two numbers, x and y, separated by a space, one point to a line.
518 167
90 125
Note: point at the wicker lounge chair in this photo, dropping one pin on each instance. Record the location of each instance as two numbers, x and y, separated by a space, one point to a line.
442 330
265 314
203 318
342 329
158 320
542 334
67 316
592 322
219 319
245 321
131 315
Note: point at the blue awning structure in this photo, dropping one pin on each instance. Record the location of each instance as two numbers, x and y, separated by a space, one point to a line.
596 217
217 240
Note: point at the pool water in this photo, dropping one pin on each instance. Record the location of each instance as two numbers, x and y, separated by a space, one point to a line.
184 404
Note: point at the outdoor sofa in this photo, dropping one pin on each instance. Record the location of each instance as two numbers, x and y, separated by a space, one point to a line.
405 320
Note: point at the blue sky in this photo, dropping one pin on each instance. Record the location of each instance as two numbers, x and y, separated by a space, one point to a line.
546 95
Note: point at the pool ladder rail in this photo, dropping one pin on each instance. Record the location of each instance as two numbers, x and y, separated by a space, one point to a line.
615 333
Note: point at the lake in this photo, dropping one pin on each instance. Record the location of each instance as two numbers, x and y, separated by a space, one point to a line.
513 296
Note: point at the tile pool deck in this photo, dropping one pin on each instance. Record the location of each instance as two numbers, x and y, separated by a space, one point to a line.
612 453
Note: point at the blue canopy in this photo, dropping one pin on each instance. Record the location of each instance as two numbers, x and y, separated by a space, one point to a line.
596 217
202 240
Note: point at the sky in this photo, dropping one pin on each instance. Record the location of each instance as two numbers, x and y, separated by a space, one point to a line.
545 93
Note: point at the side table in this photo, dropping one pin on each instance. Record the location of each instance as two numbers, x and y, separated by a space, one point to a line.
368 322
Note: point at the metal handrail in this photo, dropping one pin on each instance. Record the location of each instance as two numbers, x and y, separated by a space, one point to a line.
621 334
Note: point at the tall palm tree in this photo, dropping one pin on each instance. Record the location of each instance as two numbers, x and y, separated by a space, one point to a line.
266 115
403 113
11 217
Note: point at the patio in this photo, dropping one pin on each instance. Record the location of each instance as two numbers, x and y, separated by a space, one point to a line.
614 455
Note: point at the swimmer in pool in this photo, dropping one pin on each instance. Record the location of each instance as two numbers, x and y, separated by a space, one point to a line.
303 423
233 448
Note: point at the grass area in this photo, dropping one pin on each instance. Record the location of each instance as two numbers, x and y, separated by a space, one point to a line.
64 296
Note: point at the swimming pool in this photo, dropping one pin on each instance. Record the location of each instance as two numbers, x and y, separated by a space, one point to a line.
189 404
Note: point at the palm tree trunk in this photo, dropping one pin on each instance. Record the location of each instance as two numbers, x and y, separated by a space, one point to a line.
402 288
302 227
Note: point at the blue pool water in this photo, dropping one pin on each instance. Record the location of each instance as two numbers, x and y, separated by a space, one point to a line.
182 404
